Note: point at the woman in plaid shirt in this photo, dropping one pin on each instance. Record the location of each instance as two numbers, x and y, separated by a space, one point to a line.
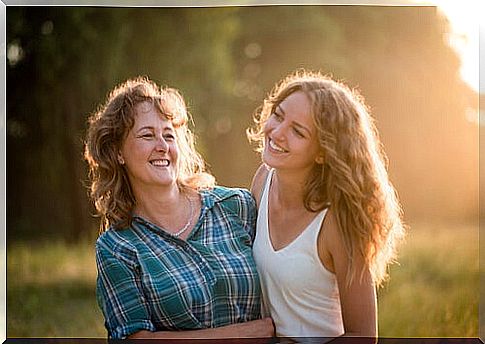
174 257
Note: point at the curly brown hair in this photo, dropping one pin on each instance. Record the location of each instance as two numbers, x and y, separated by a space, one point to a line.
110 188
353 179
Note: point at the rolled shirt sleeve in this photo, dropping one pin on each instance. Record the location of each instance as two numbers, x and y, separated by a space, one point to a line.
151 280
119 291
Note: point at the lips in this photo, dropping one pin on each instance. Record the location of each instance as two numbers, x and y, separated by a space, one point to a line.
160 162
275 147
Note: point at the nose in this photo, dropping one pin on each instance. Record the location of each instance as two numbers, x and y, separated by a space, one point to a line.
278 132
161 145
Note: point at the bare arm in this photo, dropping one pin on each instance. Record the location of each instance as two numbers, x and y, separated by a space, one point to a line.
262 328
358 300
258 182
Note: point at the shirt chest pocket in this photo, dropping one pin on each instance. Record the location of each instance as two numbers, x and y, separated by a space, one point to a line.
177 292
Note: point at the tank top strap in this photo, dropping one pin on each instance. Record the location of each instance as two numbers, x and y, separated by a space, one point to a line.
262 228
309 235
264 196
316 225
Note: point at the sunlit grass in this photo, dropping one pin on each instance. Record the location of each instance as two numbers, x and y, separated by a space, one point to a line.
51 262
50 291
434 291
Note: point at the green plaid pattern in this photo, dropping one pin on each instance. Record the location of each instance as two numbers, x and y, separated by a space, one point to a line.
151 280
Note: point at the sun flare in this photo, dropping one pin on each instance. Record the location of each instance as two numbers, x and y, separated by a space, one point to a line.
464 22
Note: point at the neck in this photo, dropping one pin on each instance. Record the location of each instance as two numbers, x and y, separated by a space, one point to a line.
288 189
158 203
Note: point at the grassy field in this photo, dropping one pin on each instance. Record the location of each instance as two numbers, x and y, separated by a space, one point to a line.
433 292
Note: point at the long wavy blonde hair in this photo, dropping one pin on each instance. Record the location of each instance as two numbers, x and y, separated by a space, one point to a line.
110 188
353 179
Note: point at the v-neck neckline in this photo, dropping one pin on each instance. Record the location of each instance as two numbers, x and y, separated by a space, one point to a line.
268 227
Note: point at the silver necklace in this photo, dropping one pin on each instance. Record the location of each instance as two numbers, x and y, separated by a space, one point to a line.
184 228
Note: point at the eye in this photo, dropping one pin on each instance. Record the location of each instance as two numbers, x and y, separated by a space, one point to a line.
298 132
277 116
169 137
147 136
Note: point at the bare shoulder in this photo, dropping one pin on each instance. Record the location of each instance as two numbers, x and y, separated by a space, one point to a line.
331 232
333 246
258 182
329 241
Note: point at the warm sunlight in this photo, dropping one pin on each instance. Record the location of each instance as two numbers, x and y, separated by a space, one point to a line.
464 37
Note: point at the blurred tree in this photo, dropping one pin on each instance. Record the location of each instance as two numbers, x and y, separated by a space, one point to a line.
67 60
50 89
62 61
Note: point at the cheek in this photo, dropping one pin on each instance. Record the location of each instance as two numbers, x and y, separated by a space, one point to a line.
314 152
126 151
176 151
134 150
268 126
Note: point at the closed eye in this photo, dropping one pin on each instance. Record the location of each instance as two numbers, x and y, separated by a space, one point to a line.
298 132
169 137
277 116
146 136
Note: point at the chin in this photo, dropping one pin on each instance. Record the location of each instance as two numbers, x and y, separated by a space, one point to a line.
270 161
166 182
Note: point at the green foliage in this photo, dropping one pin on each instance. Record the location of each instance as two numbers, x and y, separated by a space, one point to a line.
434 291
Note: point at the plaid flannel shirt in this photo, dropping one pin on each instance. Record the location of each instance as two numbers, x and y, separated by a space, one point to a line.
151 280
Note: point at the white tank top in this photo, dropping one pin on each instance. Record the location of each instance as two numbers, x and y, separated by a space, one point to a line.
299 293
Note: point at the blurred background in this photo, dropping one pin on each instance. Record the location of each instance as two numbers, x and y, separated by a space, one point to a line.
407 61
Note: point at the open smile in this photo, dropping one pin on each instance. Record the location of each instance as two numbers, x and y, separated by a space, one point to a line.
160 162
275 147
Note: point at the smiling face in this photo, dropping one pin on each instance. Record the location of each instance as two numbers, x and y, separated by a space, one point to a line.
291 136
150 150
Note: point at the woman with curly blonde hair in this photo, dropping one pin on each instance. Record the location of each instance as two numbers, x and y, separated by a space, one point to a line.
329 219
174 257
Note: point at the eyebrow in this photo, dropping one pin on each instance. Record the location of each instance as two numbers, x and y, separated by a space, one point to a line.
299 125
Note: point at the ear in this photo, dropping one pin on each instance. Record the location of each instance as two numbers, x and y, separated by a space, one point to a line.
320 159
120 159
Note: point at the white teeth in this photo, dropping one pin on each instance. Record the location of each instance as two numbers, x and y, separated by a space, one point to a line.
276 147
160 163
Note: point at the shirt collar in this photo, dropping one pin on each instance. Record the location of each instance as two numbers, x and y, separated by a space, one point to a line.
215 195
